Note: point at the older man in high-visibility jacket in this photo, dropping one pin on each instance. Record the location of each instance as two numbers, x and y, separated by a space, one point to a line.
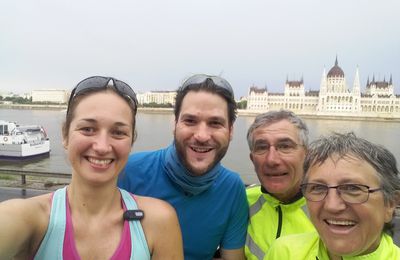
278 144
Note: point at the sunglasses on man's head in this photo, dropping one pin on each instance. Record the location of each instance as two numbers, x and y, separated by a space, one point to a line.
99 82
200 78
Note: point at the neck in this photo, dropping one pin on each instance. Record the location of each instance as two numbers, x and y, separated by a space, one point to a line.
287 199
93 200
334 257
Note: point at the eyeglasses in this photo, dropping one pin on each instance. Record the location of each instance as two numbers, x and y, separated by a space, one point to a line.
350 193
98 82
200 78
284 147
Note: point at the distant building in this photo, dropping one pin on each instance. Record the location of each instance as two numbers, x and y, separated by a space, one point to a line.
50 95
157 97
333 98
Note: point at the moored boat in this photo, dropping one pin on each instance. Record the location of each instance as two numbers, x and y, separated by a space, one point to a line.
19 142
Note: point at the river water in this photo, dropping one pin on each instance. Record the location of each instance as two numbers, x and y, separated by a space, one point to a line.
156 131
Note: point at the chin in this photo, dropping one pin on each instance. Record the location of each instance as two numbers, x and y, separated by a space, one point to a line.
197 171
343 248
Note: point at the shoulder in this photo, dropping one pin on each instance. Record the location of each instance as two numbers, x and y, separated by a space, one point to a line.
24 222
297 242
160 222
144 160
140 166
155 209
40 205
253 193
388 246
231 178
301 246
137 156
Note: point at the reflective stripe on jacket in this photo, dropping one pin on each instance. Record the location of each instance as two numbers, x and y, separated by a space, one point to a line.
270 219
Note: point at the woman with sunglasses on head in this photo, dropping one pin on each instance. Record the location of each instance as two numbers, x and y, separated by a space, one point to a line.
352 189
91 218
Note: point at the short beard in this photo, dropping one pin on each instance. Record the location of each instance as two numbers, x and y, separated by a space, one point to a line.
182 156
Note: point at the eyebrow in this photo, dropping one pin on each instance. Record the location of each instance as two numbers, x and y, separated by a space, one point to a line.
340 182
94 121
213 118
281 140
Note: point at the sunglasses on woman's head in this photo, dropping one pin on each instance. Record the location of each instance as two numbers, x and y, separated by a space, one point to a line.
99 82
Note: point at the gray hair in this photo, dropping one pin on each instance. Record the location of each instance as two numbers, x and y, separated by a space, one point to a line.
348 144
271 117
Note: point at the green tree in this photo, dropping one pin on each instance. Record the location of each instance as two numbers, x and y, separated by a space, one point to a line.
242 104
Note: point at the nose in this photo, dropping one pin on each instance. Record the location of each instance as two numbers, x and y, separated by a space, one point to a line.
102 144
202 133
272 156
333 201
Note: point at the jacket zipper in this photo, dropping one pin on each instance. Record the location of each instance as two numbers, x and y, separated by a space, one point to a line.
278 232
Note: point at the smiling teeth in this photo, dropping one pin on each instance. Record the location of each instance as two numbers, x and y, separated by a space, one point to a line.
276 174
341 222
201 149
99 162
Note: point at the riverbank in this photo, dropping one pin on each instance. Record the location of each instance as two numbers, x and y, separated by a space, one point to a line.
241 112
33 182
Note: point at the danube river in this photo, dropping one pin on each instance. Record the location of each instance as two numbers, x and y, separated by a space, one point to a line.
155 130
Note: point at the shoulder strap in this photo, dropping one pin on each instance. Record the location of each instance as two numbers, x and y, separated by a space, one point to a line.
53 242
139 247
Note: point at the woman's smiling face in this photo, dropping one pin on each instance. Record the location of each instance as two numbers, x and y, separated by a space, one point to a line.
348 229
100 137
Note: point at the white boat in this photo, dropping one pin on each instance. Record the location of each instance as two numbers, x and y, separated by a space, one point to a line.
19 142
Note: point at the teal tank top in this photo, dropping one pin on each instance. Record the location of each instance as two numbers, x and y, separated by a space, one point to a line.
52 245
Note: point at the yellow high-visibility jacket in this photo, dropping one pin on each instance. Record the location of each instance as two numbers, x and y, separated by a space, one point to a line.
309 246
269 219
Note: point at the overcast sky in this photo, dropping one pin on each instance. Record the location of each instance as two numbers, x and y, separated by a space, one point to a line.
154 45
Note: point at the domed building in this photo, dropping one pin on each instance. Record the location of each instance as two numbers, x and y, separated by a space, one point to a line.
334 95
334 98
335 79
336 71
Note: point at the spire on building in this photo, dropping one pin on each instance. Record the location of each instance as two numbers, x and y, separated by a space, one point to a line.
390 81
356 84
336 62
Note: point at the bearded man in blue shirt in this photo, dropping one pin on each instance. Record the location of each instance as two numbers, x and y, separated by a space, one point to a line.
210 200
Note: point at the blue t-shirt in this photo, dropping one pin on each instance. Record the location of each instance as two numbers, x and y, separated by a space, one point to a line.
215 217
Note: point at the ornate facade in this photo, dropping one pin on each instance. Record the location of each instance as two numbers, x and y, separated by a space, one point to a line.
157 97
50 95
333 99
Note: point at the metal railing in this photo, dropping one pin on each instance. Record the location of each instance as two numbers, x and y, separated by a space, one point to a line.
24 173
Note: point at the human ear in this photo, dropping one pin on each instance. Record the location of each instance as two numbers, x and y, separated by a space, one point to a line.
391 206
65 144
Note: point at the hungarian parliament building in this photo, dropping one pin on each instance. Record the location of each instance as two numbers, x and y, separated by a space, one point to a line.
333 99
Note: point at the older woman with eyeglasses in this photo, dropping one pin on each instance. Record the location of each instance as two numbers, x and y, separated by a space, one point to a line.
352 189
91 218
